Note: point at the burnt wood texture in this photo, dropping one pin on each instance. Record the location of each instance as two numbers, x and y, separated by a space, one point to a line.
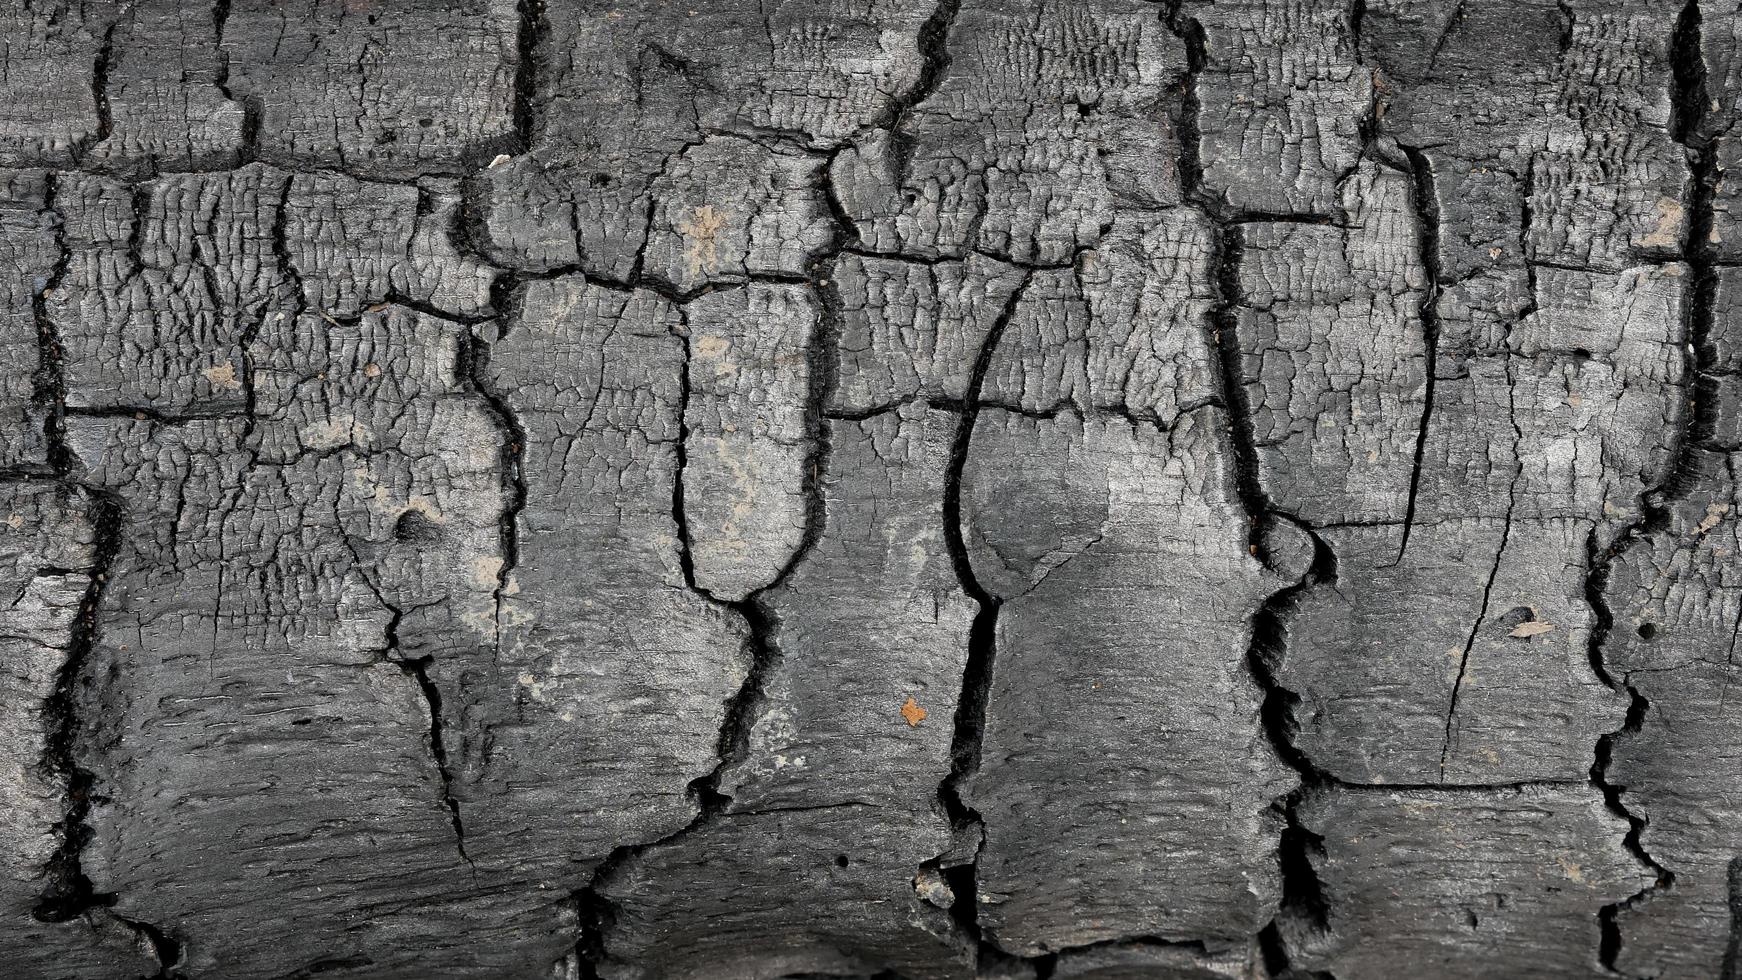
927 489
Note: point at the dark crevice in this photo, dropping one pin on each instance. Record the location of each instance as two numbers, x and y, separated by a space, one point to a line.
513 449
67 892
1230 217
50 379
762 646
1476 624
1447 29
1302 910
1608 917
679 513
251 107
1046 966
1188 109
597 915
1568 18
934 52
1732 968
526 73
1224 341
418 670
970 718
1303 906
100 83
1427 212
820 367
166 948
1224 272
1691 100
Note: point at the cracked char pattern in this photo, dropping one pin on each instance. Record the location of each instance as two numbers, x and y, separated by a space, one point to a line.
869 489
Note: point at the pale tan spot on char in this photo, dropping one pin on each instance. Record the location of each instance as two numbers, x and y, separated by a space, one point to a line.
533 686
714 350
1669 225
340 430
486 572
1527 630
15 522
913 713
1573 871
223 376
701 228
1714 516
372 370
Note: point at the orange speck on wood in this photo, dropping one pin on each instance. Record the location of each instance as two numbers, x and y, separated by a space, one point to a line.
913 713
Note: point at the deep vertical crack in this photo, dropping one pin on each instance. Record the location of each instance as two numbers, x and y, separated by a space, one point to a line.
1224 345
506 303
1302 911
50 379
531 14
969 729
418 670
762 645
100 83
67 892
1224 274
1427 220
1690 103
933 44
1303 907
251 107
